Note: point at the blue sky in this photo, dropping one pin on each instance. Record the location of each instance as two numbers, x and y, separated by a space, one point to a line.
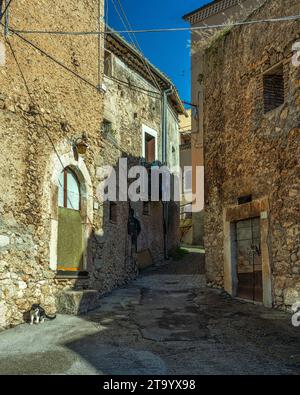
168 51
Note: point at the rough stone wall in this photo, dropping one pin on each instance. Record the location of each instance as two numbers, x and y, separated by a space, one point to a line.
53 105
249 152
128 110
43 109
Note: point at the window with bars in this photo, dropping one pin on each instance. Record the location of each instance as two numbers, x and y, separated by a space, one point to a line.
273 82
150 148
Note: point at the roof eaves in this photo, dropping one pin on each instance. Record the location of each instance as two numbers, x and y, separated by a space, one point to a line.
159 73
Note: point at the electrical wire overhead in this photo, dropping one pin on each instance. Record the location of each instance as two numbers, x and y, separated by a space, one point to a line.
162 30
134 40
5 9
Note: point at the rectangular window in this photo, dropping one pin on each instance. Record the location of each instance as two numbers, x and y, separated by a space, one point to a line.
245 199
273 82
106 127
113 212
108 63
150 148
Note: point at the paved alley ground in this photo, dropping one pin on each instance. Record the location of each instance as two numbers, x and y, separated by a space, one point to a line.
166 322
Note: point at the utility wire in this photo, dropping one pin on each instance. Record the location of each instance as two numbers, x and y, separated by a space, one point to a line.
59 63
33 102
135 41
161 30
5 9
135 87
45 128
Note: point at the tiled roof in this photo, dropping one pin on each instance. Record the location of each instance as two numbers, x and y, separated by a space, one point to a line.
212 8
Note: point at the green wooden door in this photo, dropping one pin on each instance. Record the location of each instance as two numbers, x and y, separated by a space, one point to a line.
70 244
70 248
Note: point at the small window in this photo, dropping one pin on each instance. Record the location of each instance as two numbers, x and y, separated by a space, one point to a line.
245 199
146 208
150 148
69 190
106 127
107 63
273 82
113 212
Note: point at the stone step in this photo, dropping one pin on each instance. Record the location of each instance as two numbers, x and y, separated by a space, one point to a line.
80 302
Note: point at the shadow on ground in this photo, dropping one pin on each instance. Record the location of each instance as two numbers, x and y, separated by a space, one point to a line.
165 322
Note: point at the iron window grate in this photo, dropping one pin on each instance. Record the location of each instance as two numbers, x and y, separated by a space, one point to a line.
273 89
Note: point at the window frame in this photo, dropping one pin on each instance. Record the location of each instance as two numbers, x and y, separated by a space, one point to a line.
65 188
111 220
146 130
272 72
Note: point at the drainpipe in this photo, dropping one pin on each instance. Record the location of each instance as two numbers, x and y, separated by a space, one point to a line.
166 93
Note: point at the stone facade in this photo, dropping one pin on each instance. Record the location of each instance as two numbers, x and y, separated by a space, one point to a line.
213 13
133 106
45 106
250 152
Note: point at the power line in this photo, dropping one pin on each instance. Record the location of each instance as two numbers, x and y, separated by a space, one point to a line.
42 122
59 63
135 41
135 87
160 30
33 102
5 9
55 60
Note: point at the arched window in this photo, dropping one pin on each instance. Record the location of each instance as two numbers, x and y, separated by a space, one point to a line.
69 190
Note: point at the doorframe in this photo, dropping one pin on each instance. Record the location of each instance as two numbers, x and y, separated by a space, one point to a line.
232 214
86 192
147 130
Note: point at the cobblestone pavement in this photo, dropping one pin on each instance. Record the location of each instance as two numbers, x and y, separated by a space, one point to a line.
166 322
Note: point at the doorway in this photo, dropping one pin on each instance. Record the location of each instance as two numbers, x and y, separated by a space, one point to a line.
70 242
249 260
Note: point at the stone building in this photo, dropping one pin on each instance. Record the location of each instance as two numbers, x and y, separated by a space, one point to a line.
215 12
251 120
133 124
59 245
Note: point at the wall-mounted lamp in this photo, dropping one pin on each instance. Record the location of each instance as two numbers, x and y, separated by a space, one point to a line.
80 146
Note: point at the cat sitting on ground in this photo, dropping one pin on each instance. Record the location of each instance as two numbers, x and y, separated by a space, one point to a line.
38 314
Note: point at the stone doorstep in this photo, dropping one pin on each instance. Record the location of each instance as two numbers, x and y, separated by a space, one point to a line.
73 302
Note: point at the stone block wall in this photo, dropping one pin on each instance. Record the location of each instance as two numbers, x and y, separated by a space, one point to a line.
43 108
250 152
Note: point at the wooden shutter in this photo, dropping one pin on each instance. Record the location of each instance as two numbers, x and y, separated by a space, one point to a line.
150 150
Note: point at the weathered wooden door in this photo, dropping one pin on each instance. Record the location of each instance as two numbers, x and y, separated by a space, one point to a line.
150 148
70 246
249 263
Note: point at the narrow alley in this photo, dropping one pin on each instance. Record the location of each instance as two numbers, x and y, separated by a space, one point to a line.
165 322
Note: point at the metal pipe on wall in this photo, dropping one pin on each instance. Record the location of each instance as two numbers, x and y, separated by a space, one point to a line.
166 93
